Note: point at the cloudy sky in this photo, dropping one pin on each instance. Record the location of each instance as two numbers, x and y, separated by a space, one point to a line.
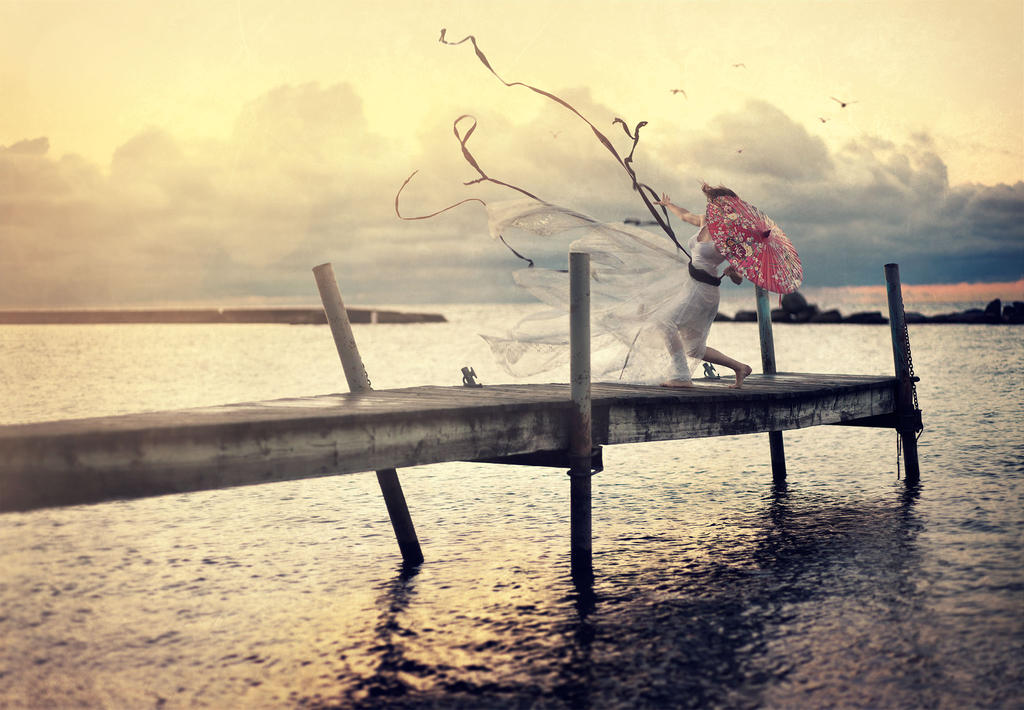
214 151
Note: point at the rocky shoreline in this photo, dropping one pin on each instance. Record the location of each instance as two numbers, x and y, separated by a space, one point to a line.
795 309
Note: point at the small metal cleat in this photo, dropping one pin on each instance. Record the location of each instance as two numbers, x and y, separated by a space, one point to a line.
469 377
710 372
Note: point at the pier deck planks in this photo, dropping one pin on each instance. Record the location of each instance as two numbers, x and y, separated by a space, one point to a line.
90 460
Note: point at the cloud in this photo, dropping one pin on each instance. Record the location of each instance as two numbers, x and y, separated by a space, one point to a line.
849 211
303 174
892 202
761 141
304 179
34 146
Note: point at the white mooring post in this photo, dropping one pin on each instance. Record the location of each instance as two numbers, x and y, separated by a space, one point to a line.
580 442
358 381
764 327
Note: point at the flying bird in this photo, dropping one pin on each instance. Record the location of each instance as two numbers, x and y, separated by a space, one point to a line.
823 120
739 65
842 104
680 91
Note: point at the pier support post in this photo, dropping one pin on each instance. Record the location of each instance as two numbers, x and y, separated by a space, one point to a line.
764 326
907 412
580 437
358 381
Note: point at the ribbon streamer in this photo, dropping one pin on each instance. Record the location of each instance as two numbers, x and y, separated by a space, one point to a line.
626 163
468 156
601 137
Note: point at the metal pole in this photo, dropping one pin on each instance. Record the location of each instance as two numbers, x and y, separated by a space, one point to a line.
906 411
359 382
580 437
764 327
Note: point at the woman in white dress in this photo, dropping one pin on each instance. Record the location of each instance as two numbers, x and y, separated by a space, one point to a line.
651 304
697 309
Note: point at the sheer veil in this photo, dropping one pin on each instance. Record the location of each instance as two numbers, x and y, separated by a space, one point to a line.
639 286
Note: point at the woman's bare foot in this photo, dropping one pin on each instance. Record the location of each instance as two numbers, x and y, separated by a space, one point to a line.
741 374
677 383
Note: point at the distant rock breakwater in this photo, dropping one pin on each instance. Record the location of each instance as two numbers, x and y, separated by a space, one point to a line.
285 315
795 309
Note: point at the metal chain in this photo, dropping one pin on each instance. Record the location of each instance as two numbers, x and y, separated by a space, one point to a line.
913 387
910 363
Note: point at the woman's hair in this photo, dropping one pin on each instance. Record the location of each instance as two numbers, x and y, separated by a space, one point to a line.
720 191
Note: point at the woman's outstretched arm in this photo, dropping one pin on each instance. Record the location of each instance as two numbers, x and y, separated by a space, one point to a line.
696 220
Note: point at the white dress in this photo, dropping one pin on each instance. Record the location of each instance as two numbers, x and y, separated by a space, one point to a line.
649 318
698 301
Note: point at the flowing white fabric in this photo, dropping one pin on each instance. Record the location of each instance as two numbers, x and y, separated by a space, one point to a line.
649 318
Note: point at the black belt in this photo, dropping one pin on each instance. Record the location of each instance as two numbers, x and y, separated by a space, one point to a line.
704 276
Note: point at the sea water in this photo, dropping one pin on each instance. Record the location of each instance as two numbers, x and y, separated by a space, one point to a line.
712 587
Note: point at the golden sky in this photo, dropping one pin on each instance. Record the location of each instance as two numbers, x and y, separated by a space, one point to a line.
90 74
159 105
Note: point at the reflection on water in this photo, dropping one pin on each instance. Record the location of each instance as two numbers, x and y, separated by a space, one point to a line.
796 600
754 615
391 659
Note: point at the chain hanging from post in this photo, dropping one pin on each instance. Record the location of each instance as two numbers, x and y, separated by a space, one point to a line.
913 388
910 368
913 377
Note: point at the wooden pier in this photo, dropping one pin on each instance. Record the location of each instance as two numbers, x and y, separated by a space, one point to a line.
91 460
82 461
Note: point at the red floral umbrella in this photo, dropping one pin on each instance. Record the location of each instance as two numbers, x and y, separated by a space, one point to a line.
754 244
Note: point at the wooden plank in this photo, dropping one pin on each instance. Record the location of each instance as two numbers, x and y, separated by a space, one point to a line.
89 460
83 466
650 421
404 403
